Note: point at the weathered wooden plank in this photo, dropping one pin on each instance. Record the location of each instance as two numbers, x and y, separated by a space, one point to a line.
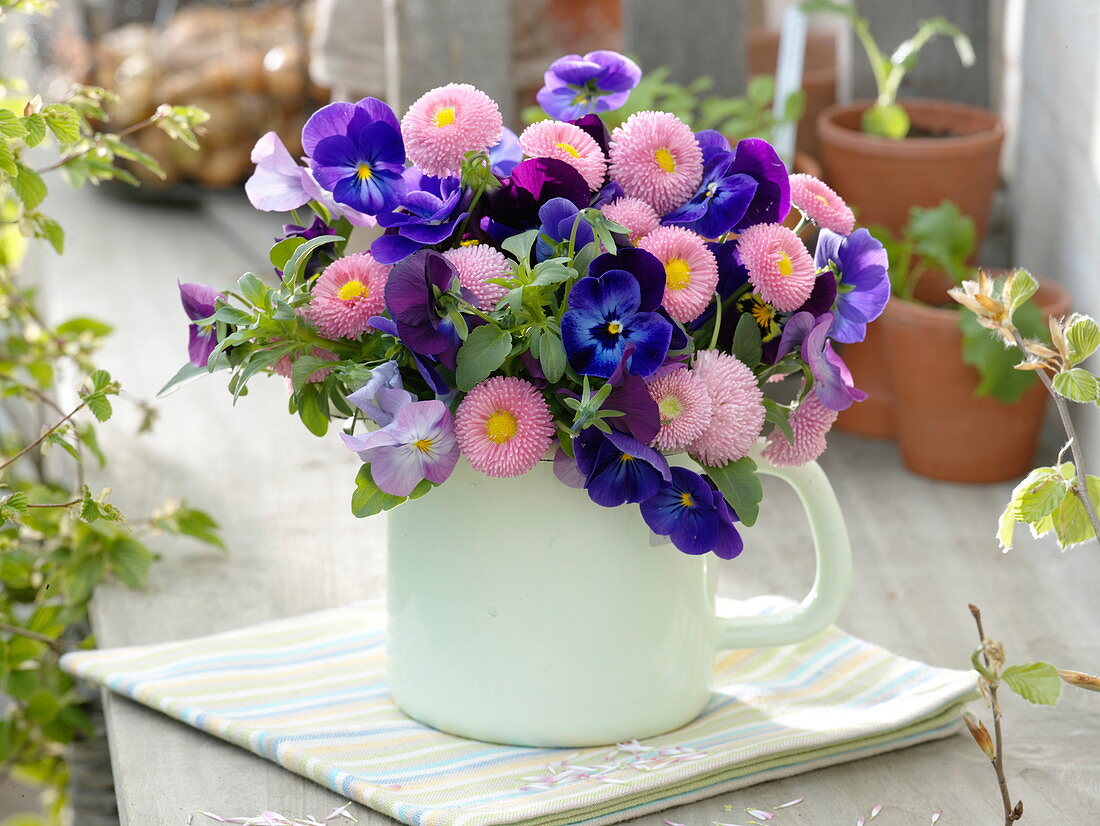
433 42
922 551
696 39
938 73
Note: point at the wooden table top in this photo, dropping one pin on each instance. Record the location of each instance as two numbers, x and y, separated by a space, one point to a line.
922 551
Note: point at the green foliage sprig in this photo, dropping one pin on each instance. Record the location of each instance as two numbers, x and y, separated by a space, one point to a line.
58 538
886 118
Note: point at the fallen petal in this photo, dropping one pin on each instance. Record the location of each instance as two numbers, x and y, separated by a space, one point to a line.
759 814
875 812
936 817
790 803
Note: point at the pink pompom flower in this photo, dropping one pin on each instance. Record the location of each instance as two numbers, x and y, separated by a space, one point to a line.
568 143
349 292
655 157
821 204
636 215
446 123
810 421
476 264
691 271
684 408
737 409
504 426
779 265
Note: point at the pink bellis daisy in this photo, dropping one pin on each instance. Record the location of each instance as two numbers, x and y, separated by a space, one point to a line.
569 143
476 264
504 426
737 409
636 215
655 157
446 123
779 265
821 204
810 422
347 294
684 407
691 271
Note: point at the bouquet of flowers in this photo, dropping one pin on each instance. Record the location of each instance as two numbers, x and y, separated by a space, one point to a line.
607 301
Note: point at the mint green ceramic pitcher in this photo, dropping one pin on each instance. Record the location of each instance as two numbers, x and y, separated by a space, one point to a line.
521 612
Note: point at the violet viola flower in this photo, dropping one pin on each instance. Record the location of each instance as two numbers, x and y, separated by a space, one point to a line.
598 82
425 365
277 184
864 288
607 313
832 379
515 206
427 215
641 417
558 216
383 394
618 468
711 141
694 515
356 153
749 185
412 301
199 302
505 154
418 444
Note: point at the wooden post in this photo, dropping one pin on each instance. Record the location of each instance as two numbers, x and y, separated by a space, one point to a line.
433 42
694 39
938 73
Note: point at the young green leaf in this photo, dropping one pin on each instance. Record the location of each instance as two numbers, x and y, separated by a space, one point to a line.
552 356
1082 338
740 484
519 246
747 341
1037 683
1077 385
484 351
313 409
254 290
368 499
130 561
29 186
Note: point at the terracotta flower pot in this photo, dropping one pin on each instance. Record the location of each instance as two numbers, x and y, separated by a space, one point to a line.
873 417
943 429
882 178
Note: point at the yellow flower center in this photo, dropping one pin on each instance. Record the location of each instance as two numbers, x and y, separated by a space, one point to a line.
686 500
614 328
669 408
823 199
444 117
762 313
665 160
423 445
469 242
363 172
568 149
500 426
677 274
352 290
784 265
626 457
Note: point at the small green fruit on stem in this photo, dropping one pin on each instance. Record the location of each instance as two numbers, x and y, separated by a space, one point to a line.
887 120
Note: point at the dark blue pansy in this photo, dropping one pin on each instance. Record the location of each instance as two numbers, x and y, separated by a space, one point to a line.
427 215
695 516
618 468
864 285
604 318
650 273
558 216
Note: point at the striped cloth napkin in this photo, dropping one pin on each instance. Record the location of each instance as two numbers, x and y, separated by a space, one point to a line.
310 694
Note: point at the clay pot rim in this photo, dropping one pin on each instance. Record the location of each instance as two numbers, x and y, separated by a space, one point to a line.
854 140
1053 300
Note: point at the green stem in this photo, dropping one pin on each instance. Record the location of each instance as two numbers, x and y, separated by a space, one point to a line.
42 438
717 321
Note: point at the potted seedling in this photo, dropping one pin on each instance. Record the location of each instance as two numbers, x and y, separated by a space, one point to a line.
884 155
961 410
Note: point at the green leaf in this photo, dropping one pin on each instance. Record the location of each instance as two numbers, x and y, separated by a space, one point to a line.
1070 521
29 186
740 484
254 290
519 246
1006 527
199 525
1082 338
130 561
81 325
552 356
747 341
99 405
313 409
1037 683
51 231
944 236
484 351
1021 288
303 367
292 272
551 272
1040 496
36 129
1077 385
189 373
42 707
368 499
779 415
281 252
63 122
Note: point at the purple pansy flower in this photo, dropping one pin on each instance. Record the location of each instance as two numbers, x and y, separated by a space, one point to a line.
608 313
749 185
515 206
427 215
598 82
418 444
832 379
199 302
641 417
618 468
558 216
411 299
864 287
505 154
356 153
693 515
277 184
711 141
425 365
383 394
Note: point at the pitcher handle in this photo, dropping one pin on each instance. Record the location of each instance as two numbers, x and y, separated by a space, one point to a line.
833 552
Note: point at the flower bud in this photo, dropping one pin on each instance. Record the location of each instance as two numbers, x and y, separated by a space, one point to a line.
1080 679
980 734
